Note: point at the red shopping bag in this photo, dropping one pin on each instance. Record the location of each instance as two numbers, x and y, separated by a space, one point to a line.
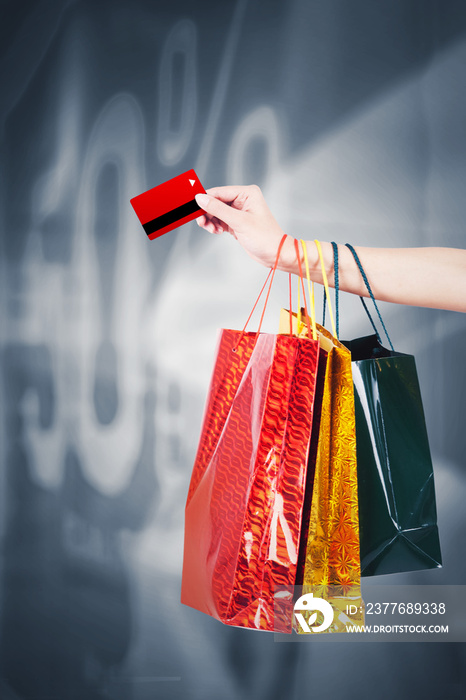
245 501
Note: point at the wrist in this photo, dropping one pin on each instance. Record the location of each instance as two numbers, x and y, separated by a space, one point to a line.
288 261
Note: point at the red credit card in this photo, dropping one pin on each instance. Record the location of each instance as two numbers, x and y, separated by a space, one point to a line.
169 205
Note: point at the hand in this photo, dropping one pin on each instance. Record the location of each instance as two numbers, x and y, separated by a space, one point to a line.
243 212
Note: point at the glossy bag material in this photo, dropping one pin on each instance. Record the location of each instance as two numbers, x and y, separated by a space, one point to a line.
397 508
331 540
331 550
245 501
332 556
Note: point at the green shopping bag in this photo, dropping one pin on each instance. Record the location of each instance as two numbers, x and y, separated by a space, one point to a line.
396 494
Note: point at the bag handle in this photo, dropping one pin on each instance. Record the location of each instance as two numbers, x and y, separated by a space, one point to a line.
337 310
310 286
337 294
296 247
366 282
327 292
269 276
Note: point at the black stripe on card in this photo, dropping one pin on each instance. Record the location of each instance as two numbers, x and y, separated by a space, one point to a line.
171 217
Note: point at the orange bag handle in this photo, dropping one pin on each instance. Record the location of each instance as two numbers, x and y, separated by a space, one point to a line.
271 276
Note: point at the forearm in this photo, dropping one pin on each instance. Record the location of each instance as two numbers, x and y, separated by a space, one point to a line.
431 277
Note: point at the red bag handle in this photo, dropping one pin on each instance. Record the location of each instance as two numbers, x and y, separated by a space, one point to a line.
272 274
296 247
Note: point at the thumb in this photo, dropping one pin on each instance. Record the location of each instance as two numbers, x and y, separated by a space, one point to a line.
229 215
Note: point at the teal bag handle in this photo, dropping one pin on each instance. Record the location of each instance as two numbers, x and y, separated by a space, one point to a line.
337 314
337 294
366 282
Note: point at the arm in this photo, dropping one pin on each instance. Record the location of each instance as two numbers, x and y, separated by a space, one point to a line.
432 277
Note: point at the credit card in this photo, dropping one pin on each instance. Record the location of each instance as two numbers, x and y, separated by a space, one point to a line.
169 205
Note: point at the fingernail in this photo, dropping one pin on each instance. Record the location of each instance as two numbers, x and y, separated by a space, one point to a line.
203 200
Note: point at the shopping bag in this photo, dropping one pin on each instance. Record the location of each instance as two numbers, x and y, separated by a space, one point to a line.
397 508
332 557
245 500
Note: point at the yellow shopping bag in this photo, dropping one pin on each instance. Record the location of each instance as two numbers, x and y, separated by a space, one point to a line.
332 559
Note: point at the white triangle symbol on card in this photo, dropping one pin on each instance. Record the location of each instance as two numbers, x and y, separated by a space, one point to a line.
192 182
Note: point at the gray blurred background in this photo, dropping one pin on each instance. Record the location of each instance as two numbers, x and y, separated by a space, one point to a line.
351 115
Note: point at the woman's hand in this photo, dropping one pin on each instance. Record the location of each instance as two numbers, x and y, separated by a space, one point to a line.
243 212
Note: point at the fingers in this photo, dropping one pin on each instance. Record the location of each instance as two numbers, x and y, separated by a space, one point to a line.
211 225
215 208
230 192
225 194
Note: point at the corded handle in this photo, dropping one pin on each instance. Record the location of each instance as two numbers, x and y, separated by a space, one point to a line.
337 309
366 282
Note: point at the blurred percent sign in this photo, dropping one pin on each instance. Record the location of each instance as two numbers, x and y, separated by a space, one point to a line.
174 135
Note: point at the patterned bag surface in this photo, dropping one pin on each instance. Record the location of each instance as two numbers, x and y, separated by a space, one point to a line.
245 501
332 556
